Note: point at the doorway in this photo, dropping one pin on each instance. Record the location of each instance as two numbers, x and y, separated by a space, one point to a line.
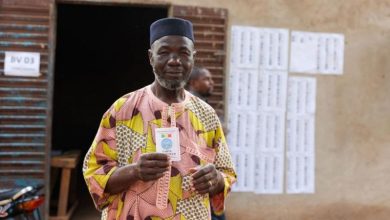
101 54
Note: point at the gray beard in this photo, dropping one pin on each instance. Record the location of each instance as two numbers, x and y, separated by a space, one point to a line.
170 84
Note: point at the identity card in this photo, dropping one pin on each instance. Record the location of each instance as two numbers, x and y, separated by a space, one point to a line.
167 141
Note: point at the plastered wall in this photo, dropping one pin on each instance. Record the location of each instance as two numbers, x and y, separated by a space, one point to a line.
353 111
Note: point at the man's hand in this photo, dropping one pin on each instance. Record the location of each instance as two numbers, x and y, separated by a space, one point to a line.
207 179
151 166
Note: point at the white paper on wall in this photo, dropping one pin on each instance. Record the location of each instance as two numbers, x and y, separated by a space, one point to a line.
331 53
244 164
301 95
17 63
300 174
245 47
316 53
269 173
234 46
303 54
300 134
272 90
241 131
243 89
269 163
269 132
273 44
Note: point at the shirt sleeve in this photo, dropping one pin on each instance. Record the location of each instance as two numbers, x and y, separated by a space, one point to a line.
101 160
223 163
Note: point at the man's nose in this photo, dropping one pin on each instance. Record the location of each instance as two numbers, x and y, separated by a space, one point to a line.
174 60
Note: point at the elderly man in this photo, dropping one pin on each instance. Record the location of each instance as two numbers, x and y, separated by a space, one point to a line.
160 152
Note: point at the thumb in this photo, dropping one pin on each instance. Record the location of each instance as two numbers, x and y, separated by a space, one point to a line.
194 169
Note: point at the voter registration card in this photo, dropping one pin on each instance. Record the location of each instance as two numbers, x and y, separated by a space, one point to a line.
167 141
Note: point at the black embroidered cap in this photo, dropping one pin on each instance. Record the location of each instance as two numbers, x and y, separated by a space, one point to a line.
170 26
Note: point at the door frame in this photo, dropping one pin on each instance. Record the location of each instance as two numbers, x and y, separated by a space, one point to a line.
53 6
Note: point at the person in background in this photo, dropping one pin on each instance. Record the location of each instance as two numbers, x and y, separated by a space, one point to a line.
160 152
201 84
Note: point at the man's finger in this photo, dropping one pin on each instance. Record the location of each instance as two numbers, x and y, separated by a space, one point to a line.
152 171
203 188
155 163
203 171
193 170
204 179
203 191
155 156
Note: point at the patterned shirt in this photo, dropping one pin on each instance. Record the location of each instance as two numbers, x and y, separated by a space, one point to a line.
127 130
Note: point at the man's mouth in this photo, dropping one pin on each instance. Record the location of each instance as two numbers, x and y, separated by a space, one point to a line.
174 73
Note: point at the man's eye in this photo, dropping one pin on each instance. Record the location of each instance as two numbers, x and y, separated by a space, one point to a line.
163 52
185 53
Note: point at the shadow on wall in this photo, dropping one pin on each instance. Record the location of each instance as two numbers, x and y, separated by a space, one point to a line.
336 211
348 211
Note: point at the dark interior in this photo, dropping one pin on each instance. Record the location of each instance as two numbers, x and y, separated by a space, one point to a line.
101 54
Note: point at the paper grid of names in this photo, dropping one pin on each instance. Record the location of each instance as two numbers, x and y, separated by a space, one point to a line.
257 103
269 110
317 53
300 135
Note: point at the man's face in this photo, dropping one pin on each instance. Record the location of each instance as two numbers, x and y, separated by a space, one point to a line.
204 84
172 58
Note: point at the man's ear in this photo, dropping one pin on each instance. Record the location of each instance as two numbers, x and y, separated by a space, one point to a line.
194 53
150 54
